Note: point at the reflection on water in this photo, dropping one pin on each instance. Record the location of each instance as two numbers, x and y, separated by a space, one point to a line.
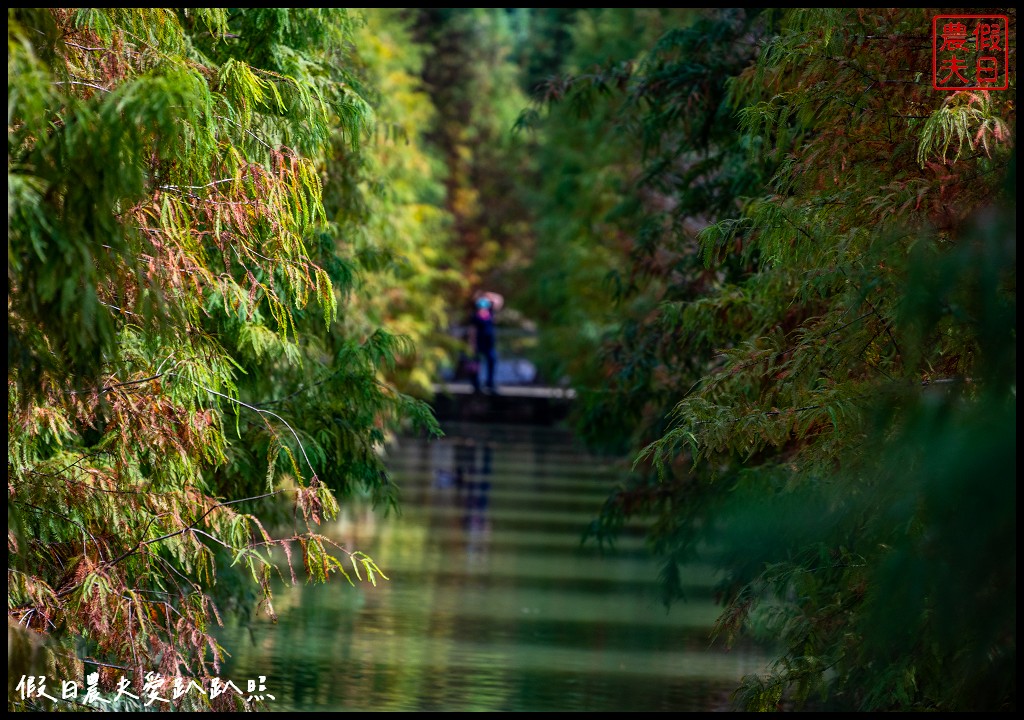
492 602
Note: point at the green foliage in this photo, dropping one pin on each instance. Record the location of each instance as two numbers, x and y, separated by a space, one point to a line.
585 163
189 350
813 346
967 118
469 74
389 200
777 265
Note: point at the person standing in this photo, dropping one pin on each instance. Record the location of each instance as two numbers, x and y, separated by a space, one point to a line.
484 337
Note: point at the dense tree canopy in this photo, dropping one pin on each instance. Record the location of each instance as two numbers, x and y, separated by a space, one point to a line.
474 85
196 313
777 264
813 348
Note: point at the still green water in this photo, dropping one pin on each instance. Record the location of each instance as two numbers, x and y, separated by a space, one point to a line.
492 603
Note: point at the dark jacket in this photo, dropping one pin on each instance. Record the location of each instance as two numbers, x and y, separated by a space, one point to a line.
484 331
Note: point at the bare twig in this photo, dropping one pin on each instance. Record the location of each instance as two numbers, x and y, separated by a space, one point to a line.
75 82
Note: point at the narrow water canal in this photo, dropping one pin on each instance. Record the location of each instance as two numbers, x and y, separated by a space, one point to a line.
492 603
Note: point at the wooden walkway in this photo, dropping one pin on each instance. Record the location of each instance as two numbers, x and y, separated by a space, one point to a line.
510 391
511 404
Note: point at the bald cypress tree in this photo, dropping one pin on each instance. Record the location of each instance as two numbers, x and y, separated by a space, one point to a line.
813 352
179 353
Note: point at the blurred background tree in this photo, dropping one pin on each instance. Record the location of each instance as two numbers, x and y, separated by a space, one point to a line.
470 74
